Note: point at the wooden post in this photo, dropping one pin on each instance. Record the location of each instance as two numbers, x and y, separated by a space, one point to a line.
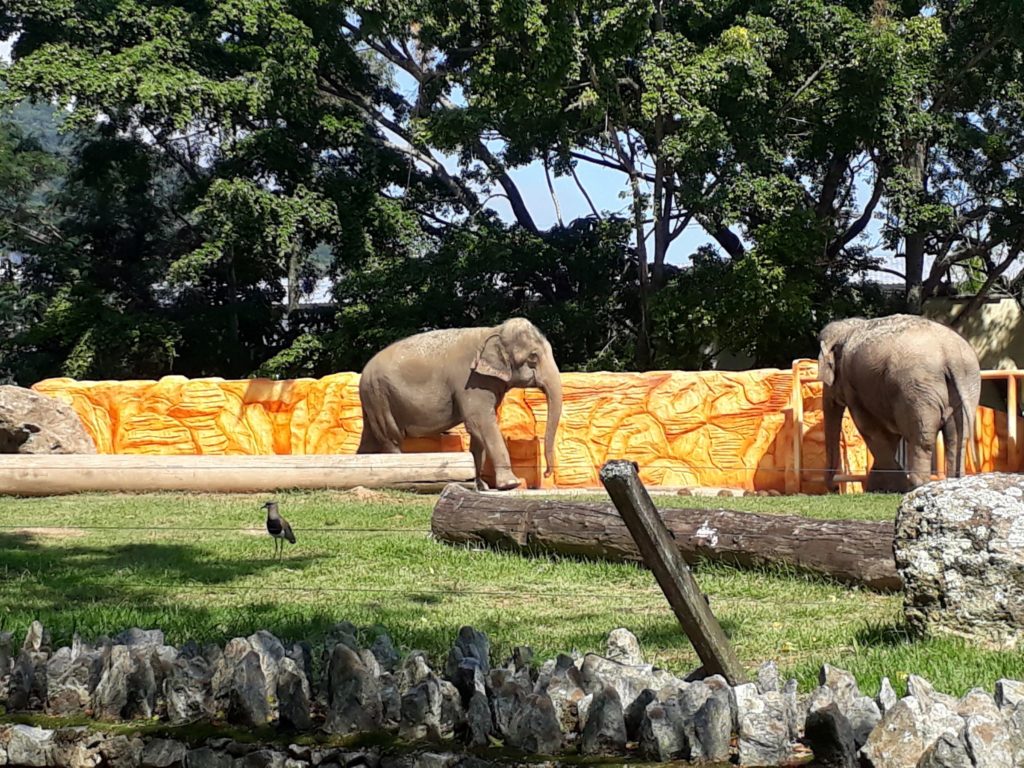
797 409
652 538
1011 425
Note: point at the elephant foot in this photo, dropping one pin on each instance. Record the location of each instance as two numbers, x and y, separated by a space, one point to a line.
507 483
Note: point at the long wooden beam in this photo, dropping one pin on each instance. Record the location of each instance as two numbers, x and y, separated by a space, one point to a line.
46 475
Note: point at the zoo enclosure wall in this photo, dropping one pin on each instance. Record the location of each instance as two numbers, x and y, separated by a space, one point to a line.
757 430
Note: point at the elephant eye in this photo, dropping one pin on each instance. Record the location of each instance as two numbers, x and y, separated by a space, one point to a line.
532 359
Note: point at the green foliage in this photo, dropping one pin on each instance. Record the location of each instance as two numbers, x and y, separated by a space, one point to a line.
219 159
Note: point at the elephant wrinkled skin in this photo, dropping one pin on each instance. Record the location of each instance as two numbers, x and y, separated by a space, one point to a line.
428 383
901 376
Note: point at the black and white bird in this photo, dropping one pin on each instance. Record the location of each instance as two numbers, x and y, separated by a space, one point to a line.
278 527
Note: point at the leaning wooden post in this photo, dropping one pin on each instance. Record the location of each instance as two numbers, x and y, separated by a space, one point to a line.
652 538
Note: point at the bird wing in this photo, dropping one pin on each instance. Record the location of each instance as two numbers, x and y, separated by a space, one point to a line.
288 531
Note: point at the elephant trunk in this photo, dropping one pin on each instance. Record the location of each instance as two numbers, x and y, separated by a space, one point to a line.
833 412
550 380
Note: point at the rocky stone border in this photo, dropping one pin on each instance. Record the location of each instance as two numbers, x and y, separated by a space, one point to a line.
590 705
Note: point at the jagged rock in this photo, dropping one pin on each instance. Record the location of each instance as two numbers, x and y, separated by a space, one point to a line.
534 727
22 682
629 681
663 732
384 650
185 689
121 751
712 726
623 647
635 711
390 699
764 729
949 751
34 423
205 757
768 677
839 686
302 654
136 637
262 758
354 702
37 639
30 746
910 728
470 644
564 687
957 550
887 697
478 720
271 652
605 730
431 711
989 737
794 712
830 737
142 684
163 753
72 674
293 696
6 652
342 632
583 709
247 693
111 694
521 666
1009 693
415 670
507 698
469 679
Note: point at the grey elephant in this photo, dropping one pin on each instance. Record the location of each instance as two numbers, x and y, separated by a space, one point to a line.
428 383
901 376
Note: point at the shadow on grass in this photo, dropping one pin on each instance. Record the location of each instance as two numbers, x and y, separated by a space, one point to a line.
98 589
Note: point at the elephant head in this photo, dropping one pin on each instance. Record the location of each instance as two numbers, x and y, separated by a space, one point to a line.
831 341
517 353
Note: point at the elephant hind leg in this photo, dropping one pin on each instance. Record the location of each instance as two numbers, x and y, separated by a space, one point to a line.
953 441
381 433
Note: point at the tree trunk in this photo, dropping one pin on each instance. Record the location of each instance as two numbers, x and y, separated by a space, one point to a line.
849 551
914 242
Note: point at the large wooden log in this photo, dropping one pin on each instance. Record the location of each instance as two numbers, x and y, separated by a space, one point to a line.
849 551
45 475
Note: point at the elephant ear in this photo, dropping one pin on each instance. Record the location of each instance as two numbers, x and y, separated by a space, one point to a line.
491 359
827 365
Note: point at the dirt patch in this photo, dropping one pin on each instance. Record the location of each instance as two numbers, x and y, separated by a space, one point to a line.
57 533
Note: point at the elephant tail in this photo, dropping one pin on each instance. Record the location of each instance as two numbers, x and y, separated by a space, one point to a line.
963 418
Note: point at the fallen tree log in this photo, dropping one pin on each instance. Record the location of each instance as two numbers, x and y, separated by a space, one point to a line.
850 551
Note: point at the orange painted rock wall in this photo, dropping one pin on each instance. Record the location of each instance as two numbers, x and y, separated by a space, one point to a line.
708 428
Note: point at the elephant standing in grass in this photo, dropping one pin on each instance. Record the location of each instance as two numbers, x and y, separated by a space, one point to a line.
901 376
428 383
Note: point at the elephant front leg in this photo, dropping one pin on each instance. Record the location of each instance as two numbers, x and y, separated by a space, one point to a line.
485 430
476 447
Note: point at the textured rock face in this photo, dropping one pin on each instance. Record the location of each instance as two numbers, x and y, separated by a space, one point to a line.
34 423
960 549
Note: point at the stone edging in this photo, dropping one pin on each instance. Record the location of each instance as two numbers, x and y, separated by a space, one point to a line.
613 704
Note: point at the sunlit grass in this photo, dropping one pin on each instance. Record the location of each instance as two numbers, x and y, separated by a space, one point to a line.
200 567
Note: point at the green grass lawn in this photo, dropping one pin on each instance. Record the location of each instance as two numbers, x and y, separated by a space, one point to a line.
200 567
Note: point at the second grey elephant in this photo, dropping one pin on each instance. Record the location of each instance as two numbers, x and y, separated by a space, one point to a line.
428 383
901 376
